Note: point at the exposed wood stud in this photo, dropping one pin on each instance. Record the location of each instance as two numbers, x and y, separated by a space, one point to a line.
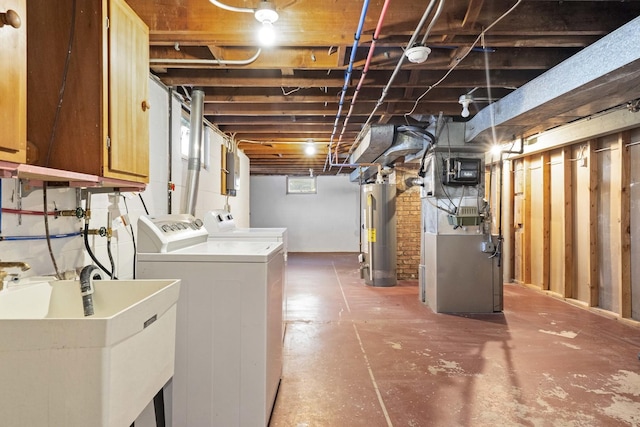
568 222
546 220
625 225
526 253
594 268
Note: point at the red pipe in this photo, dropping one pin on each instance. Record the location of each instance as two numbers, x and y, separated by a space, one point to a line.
26 212
376 33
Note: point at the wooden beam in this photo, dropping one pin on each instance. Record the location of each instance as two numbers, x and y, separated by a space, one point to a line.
568 222
307 22
594 268
473 12
624 267
221 77
545 159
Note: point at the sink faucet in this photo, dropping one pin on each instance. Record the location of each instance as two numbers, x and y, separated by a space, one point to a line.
10 264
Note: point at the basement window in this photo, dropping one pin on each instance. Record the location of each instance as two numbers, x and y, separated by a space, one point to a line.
185 130
301 185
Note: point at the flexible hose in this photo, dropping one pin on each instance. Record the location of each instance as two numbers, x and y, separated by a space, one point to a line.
91 254
113 265
46 230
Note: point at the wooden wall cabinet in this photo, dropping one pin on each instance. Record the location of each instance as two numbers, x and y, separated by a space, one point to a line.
13 80
87 88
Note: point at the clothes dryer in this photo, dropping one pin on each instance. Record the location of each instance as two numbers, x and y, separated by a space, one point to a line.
221 225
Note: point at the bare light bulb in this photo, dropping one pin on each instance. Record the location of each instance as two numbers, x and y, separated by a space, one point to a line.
465 110
465 100
310 149
266 34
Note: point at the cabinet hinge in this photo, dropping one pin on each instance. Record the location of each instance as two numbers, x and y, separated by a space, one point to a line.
106 22
108 142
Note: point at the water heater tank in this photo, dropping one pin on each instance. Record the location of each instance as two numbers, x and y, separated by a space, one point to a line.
379 237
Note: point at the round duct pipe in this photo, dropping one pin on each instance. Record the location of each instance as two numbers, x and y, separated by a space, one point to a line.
195 148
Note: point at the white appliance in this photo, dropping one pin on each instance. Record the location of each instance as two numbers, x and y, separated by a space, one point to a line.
221 225
229 321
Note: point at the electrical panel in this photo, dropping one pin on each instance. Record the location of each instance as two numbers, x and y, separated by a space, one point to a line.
461 171
232 173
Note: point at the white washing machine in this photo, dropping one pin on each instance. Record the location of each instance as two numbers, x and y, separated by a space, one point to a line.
229 322
221 225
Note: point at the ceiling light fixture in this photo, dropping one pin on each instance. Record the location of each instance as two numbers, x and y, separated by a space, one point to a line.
310 148
417 54
465 100
265 13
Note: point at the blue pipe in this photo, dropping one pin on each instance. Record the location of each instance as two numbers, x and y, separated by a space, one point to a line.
41 237
347 77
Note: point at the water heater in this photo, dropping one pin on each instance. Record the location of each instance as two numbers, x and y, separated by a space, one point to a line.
379 234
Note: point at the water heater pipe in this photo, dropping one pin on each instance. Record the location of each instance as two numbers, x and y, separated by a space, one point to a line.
347 76
195 148
372 48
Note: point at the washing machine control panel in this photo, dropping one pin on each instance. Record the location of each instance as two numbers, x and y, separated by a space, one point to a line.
169 233
176 226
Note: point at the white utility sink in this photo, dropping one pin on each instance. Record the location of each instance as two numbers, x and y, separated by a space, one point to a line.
60 368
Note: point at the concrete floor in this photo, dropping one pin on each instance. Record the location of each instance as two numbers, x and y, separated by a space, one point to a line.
362 356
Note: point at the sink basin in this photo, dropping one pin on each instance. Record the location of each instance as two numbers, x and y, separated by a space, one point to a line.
59 368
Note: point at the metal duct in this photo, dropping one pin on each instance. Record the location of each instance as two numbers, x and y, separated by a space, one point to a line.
195 148
384 144
601 76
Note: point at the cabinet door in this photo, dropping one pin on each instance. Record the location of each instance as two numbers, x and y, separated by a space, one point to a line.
13 83
128 151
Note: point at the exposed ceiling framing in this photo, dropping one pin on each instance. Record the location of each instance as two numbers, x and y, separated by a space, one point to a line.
290 93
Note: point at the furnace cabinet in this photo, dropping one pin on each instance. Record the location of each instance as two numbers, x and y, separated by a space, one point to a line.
88 109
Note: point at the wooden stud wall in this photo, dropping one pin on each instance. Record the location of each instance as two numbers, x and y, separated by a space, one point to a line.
558 204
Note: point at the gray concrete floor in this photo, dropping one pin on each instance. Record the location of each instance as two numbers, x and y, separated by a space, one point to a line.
364 356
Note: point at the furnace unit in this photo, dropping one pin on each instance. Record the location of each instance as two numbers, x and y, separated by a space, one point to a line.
460 266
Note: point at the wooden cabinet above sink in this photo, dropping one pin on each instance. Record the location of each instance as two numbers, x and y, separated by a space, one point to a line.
87 88
13 80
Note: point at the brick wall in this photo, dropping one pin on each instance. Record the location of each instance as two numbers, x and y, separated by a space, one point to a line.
407 225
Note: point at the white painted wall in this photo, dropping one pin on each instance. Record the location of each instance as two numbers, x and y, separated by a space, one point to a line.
327 221
69 252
